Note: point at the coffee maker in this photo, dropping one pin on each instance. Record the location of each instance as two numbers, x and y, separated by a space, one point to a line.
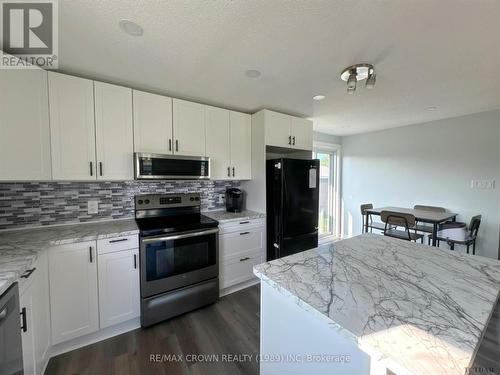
234 200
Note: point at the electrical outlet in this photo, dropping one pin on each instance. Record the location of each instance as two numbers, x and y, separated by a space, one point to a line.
92 207
482 184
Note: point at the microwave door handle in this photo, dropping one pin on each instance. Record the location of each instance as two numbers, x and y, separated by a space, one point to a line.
179 236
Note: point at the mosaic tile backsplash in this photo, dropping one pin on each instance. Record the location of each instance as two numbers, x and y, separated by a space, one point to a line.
26 204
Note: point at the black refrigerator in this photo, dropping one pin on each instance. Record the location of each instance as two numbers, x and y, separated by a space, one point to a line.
292 195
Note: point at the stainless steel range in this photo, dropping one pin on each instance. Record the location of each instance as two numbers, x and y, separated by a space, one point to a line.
179 256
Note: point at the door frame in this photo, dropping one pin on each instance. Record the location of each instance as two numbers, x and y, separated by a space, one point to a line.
336 149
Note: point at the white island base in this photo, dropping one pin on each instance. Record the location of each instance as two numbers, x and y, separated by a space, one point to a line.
295 342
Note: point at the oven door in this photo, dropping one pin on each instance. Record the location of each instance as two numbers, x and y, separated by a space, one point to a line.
177 260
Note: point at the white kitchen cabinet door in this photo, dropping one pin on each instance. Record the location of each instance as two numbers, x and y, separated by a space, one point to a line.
72 130
26 297
152 123
73 290
218 142
41 312
189 128
302 133
241 145
119 298
114 132
24 125
277 129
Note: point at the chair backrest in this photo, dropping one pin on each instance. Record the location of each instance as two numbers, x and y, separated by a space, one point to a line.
364 207
398 218
429 208
475 222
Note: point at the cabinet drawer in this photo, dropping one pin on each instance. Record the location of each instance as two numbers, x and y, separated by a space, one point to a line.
241 225
239 269
110 245
243 241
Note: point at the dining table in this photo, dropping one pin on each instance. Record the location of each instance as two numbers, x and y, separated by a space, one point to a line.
421 216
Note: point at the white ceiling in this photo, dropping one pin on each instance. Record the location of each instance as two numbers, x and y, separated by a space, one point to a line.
443 53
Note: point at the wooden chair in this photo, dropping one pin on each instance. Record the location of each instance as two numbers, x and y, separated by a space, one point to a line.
426 228
399 219
460 235
371 224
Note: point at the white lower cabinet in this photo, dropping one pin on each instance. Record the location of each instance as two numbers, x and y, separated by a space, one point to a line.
241 246
118 274
35 319
73 290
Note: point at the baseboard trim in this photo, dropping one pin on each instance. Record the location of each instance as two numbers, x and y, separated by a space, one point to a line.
92 338
240 286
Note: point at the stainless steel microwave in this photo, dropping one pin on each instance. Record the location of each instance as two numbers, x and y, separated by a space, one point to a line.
171 167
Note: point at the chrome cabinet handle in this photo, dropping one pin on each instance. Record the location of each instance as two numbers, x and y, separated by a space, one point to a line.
233 171
91 256
176 145
293 140
243 259
91 169
243 233
28 273
24 325
228 171
100 168
169 144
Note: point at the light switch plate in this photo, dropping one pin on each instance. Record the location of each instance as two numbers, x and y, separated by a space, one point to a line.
482 184
92 207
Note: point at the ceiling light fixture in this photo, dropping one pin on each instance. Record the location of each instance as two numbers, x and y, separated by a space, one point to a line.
319 97
359 72
131 27
252 73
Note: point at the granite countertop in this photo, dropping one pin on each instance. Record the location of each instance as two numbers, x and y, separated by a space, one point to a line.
223 216
421 309
19 248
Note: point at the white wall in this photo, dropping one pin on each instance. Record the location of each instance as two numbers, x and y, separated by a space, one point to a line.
328 138
432 164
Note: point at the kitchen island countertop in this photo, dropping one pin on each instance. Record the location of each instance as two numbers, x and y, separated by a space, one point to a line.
423 310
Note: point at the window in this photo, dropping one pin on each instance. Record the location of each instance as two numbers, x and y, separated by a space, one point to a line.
327 219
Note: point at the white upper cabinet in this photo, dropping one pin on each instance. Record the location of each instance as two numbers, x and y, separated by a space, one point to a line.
287 131
278 129
241 145
302 133
114 132
72 130
24 125
218 142
189 128
152 123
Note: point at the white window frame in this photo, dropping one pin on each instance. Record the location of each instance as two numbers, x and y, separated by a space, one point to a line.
336 149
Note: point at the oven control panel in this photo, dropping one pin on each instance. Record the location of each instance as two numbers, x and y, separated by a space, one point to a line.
156 201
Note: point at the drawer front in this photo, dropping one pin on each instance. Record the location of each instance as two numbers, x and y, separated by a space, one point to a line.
239 269
110 245
241 225
233 244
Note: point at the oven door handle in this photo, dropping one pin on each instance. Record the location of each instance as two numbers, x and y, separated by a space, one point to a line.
179 236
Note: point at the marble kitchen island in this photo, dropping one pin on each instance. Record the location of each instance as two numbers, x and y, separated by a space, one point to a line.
370 304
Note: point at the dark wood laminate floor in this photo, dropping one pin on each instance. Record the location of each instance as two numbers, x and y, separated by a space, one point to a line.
231 326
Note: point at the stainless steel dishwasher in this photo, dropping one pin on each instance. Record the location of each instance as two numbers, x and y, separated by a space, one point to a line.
11 351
